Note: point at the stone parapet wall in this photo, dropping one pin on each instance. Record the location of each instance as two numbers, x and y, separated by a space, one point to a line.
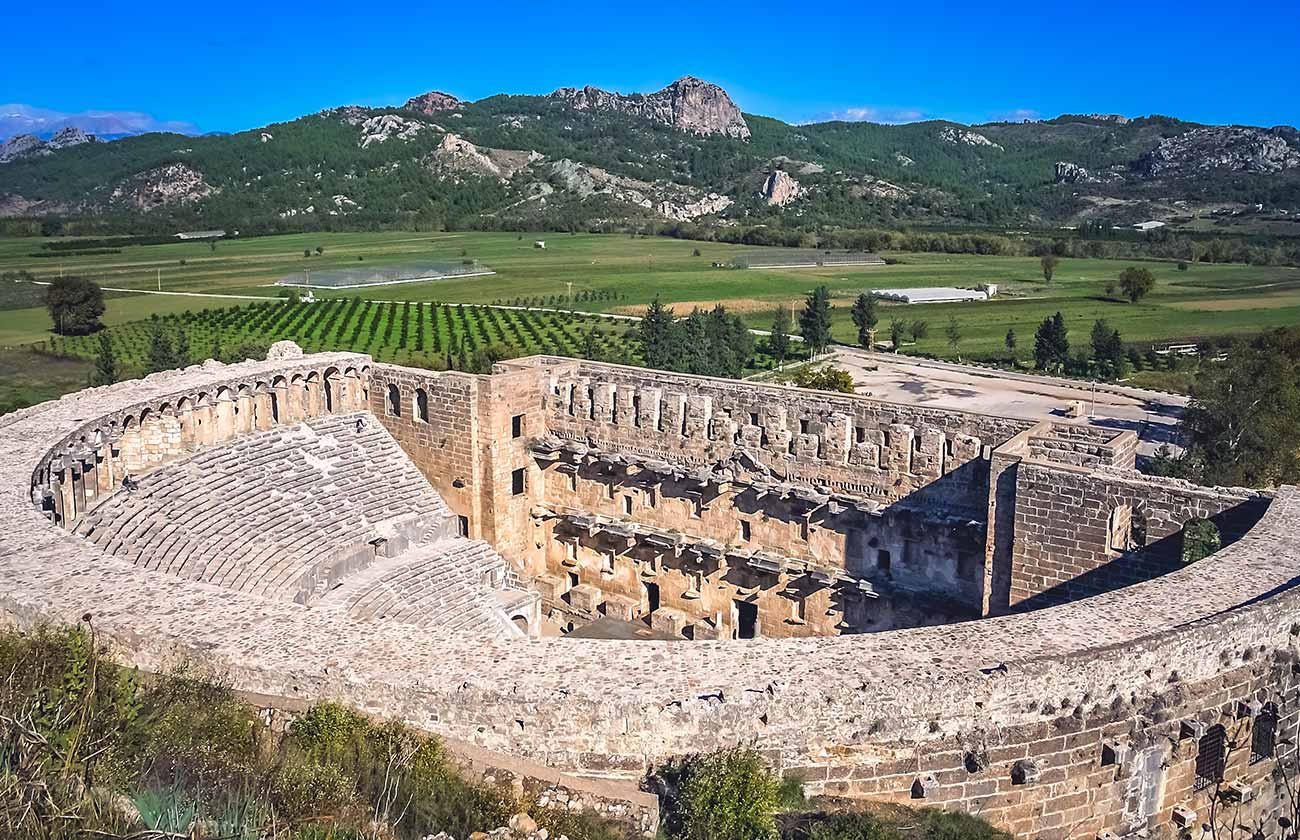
860 445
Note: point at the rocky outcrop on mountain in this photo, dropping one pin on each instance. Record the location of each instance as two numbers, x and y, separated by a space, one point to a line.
1228 148
672 201
433 102
688 104
385 127
779 188
167 186
1118 119
903 160
26 145
960 136
878 188
1073 173
457 156
20 146
70 136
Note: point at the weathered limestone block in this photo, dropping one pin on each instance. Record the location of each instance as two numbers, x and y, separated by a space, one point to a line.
669 621
964 448
566 390
897 454
927 460
582 399
835 438
622 607
699 409
865 454
550 587
672 413
722 427
624 407
751 437
647 413
602 403
585 598
806 447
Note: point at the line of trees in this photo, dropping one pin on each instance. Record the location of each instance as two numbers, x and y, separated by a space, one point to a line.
708 343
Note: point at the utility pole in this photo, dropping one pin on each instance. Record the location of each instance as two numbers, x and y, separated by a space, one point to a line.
570 287
160 278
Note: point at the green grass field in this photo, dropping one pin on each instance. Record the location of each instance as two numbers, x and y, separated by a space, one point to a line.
1202 302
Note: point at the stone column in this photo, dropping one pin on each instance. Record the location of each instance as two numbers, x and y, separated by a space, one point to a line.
262 419
282 415
56 490
352 396
224 418
90 473
312 398
185 416
76 466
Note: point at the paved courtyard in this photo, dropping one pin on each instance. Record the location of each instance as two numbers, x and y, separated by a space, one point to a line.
1152 414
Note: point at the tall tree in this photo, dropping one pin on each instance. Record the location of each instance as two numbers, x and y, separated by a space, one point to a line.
1010 340
1051 344
75 305
105 362
1048 263
161 355
182 348
656 334
1135 283
896 332
1107 350
865 317
815 320
1243 424
953 333
778 343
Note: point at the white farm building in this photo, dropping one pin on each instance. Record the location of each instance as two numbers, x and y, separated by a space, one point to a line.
933 294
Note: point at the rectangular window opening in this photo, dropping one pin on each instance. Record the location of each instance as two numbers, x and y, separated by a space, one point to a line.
518 481
517 426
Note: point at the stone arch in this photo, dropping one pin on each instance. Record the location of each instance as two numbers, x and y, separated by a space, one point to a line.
332 390
1119 529
393 403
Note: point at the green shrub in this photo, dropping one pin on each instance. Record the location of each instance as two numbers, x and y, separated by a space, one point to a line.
730 793
1200 539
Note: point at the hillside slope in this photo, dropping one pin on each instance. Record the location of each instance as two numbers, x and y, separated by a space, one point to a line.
587 157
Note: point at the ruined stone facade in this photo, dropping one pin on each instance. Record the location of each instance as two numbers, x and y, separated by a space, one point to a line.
1150 690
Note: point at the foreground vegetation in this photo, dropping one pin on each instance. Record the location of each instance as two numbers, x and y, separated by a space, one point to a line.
89 748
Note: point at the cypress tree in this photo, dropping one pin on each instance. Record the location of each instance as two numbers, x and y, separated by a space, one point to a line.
778 343
815 320
656 334
865 317
1051 344
105 362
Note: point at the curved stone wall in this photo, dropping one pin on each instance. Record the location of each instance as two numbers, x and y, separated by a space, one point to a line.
1061 722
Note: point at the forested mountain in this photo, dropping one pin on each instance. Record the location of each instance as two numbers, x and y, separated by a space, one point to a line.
587 158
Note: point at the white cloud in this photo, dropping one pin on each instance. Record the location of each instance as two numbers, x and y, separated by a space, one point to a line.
26 119
1016 115
875 114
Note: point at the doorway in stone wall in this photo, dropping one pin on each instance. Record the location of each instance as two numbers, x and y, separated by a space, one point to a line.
650 595
746 619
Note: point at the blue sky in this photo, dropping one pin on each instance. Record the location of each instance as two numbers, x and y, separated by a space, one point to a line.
236 65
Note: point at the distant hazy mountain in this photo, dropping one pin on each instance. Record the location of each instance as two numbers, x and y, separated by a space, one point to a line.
585 157
45 123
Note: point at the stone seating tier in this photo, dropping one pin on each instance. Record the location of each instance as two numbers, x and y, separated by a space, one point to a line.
283 513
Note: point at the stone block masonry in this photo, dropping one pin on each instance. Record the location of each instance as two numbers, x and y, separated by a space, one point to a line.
1110 713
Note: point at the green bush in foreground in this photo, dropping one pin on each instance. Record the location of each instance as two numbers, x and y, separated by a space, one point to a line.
729 794
89 748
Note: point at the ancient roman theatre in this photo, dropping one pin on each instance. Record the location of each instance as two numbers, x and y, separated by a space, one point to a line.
592 568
